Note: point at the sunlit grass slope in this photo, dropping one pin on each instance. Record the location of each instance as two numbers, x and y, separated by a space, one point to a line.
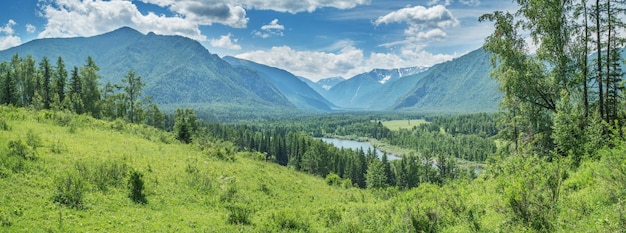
186 189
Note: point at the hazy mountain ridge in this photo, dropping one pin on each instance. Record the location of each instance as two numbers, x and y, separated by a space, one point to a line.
372 90
296 91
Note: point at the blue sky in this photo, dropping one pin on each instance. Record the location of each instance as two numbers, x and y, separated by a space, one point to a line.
311 38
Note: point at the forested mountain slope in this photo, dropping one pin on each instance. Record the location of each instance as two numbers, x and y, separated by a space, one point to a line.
460 85
177 71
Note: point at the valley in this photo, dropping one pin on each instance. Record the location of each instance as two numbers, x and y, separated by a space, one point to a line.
127 131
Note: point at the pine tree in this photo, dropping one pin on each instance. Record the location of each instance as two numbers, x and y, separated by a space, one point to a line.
60 79
45 90
90 92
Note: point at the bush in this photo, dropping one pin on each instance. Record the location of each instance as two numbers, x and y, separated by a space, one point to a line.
4 125
136 188
239 214
32 139
20 149
333 179
109 174
286 220
70 190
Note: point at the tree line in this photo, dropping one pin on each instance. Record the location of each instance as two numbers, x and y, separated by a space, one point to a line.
361 168
43 85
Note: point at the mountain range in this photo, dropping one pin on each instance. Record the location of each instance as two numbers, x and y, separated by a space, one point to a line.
180 72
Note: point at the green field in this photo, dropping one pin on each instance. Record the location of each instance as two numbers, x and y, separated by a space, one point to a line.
403 124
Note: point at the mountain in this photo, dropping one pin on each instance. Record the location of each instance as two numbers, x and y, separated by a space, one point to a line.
460 85
177 71
374 90
322 86
294 89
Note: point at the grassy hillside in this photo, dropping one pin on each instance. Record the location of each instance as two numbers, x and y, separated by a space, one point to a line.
46 156
187 190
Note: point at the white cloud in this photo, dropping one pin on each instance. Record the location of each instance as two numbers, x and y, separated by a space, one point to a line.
289 6
346 62
272 29
273 26
69 18
226 42
207 14
436 16
31 28
8 38
470 2
425 25
293 6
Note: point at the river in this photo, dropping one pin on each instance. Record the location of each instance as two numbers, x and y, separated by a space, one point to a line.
354 145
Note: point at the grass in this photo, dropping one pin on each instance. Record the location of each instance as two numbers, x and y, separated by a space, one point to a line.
396 125
186 190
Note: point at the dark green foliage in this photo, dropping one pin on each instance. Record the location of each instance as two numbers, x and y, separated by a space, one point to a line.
70 190
46 91
136 187
185 125
60 79
376 176
21 150
238 214
8 82
4 125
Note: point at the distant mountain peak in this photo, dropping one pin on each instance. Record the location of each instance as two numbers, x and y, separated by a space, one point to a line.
124 30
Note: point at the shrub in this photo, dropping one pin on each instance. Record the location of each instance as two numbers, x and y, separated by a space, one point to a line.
32 139
19 149
136 187
4 125
70 190
286 220
109 174
333 179
239 214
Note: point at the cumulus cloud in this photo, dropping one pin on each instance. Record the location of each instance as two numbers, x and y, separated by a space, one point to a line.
226 42
31 28
424 26
8 38
204 13
346 62
272 29
69 18
419 16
